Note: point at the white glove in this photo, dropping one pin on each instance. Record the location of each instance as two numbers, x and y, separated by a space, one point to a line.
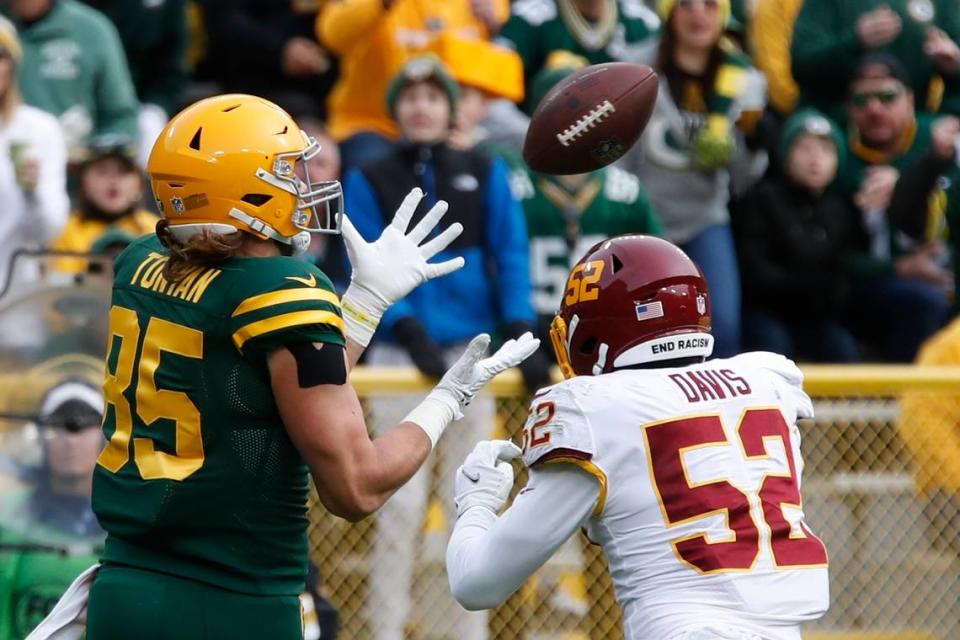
469 374
486 477
465 378
387 270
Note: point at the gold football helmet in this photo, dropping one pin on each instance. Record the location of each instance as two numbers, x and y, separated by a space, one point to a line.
238 162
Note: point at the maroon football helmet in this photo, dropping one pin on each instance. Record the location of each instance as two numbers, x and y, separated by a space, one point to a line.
631 300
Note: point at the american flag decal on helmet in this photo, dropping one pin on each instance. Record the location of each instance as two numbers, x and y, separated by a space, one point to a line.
649 310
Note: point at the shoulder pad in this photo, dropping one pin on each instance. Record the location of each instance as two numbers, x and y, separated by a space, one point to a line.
775 363
556 428
134 253
268 274
283 300
788 376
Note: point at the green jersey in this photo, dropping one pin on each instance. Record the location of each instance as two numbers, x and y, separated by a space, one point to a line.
199 478
31 583
38 561
878 247
538 28
564 223
914 143
825 50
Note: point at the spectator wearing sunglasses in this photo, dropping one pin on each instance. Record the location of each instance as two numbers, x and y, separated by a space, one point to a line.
830 37
48 532
900 287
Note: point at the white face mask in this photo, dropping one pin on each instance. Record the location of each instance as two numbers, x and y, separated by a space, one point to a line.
319 203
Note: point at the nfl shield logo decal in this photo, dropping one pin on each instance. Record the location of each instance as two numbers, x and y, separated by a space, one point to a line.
701 304
177 203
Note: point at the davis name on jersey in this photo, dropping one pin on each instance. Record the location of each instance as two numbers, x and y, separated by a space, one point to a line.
699 511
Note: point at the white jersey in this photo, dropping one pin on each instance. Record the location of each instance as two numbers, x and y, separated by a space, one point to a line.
699 511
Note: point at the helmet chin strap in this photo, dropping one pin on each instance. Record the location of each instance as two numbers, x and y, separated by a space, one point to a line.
299 243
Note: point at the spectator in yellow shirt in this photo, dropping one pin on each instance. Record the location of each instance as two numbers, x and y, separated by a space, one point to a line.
373 39
110 196
930 427
771 31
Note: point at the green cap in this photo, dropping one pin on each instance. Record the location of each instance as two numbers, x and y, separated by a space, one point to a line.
426 68
815 123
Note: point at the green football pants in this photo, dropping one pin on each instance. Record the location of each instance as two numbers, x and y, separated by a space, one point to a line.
127 603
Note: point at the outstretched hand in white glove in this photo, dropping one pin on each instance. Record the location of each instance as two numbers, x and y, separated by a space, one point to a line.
486 476
395 264
470 373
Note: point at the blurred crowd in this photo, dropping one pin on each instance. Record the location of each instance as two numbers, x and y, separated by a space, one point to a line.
803 153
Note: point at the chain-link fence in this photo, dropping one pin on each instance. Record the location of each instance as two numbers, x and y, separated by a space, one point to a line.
881 488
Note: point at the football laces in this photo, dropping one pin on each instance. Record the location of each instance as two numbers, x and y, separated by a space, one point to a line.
587 122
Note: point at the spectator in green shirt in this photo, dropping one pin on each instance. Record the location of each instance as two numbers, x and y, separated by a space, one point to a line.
154 38
74 67
567 215
830 36
48 532
900 289
598 30
546 32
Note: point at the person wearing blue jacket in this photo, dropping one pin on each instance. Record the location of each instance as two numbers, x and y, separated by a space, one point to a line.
491 294
493 291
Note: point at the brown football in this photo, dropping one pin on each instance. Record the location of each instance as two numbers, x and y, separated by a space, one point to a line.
591 118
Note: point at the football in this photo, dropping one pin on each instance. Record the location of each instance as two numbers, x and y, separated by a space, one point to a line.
591 118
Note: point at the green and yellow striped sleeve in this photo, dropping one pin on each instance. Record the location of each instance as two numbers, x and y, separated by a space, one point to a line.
265 321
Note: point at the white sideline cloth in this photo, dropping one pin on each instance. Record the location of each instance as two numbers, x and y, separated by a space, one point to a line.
68 619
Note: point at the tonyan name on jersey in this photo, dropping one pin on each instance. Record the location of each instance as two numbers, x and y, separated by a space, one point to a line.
190 411
699 511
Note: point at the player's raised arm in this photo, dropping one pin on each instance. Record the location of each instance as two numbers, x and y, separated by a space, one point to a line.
386 270
355 475
489 557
